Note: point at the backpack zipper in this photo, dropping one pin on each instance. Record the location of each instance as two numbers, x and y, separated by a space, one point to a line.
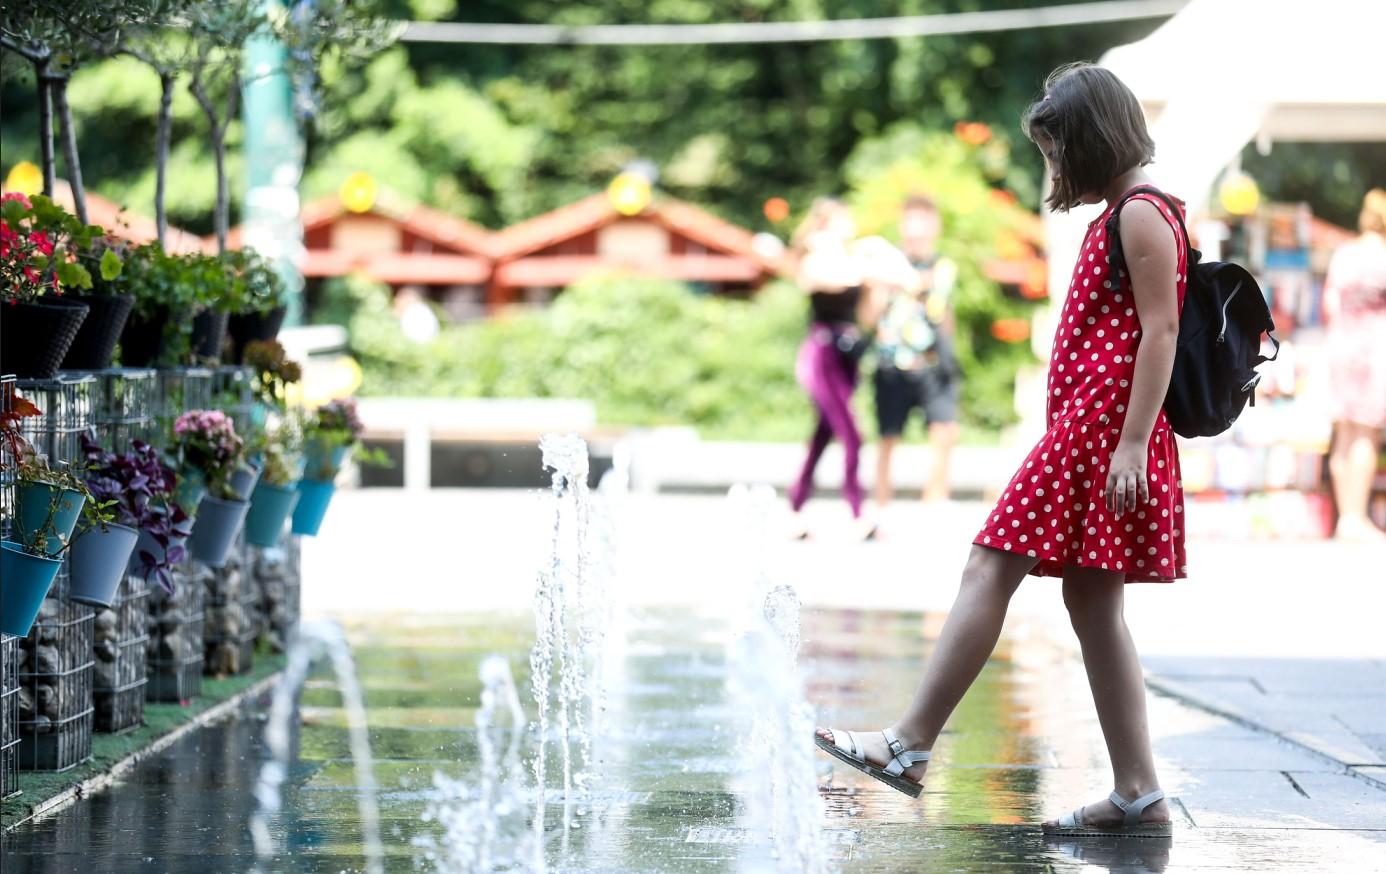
1236 288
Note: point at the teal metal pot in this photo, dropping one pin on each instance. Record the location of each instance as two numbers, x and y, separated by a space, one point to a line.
27 581
314 496
270 507
35 501
215 529
99 560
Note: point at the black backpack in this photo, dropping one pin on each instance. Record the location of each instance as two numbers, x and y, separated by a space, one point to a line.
1220 328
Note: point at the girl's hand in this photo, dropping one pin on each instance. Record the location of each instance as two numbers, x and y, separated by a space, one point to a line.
1127 487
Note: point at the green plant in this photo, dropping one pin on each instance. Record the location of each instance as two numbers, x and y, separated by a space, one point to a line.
274 372
42 249
281 450
261 289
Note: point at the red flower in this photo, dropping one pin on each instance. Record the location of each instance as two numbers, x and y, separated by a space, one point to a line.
16 195
40 240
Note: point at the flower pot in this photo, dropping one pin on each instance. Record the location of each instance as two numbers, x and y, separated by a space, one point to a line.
244 480
95 342
270 506
100 557
192 485
145 542
245 328
323 462
27 581
208 334
35 500
142 340
314 496
215 529
34 337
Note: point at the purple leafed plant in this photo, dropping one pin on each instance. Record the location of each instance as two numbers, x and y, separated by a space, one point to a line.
138 486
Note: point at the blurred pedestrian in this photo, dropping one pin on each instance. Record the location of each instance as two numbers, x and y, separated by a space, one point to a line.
827 366
1098 501
915 364
1355 304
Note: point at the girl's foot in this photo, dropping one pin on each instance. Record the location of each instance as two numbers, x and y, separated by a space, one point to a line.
1106 815
878 753
867 530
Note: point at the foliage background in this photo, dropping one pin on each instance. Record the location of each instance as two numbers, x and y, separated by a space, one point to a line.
500 133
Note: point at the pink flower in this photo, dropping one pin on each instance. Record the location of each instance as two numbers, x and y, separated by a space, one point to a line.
16 195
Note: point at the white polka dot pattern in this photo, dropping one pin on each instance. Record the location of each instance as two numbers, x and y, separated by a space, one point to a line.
1064 474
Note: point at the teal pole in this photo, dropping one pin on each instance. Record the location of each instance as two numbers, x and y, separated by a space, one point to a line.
273 149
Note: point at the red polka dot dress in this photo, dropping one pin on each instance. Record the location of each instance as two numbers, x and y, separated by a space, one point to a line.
1052 509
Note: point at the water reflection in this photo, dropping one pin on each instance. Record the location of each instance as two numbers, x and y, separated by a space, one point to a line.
671 797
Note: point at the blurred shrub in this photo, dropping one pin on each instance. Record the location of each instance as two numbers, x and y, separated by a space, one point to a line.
646 352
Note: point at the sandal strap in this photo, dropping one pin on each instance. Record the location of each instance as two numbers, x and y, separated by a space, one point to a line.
1134 809
851 747
1072 819
901 757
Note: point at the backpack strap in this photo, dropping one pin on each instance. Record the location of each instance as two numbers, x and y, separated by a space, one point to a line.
1113 225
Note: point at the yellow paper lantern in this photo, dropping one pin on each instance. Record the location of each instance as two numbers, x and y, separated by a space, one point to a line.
629 193
25 177
1239 194
358 192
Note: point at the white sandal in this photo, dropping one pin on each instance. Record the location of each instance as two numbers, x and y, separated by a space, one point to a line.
854 754
1131 825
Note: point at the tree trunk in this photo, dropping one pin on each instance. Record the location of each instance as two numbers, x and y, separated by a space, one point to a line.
45 126
161 144
70 156
220 217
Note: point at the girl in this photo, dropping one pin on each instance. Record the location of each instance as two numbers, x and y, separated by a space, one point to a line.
832 277
1098 502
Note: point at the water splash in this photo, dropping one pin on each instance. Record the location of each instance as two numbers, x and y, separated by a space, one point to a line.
314 640
569 614
765 685
486 829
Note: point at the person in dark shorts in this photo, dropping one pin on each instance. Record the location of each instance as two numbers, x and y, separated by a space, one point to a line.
916 367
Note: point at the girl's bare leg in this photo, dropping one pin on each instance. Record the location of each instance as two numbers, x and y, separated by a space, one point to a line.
967 640
1095 599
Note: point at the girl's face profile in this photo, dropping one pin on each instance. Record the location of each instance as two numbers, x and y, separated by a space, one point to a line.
1046 147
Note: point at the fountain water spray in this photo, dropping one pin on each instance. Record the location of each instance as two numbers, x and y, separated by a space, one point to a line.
568 619
485 830
764 682
315 639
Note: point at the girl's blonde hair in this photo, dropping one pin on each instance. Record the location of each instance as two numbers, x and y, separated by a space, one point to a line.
1373 217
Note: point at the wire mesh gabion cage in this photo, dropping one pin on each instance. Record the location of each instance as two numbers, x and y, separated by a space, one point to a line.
175 638
9 715
233 392
126 407
121 644
9 645
180 390
55 659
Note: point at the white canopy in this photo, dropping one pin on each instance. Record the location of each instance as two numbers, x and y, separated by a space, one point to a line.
1223 73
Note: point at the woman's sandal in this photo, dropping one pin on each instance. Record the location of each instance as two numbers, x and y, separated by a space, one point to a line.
1131 826
893 774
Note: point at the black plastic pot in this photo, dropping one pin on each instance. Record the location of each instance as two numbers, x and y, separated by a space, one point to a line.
95 342
34 337
245 328
142 341
208 335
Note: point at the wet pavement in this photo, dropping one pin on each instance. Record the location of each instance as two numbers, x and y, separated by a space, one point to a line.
671 790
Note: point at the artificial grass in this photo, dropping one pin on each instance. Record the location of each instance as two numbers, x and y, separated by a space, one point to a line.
107 750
